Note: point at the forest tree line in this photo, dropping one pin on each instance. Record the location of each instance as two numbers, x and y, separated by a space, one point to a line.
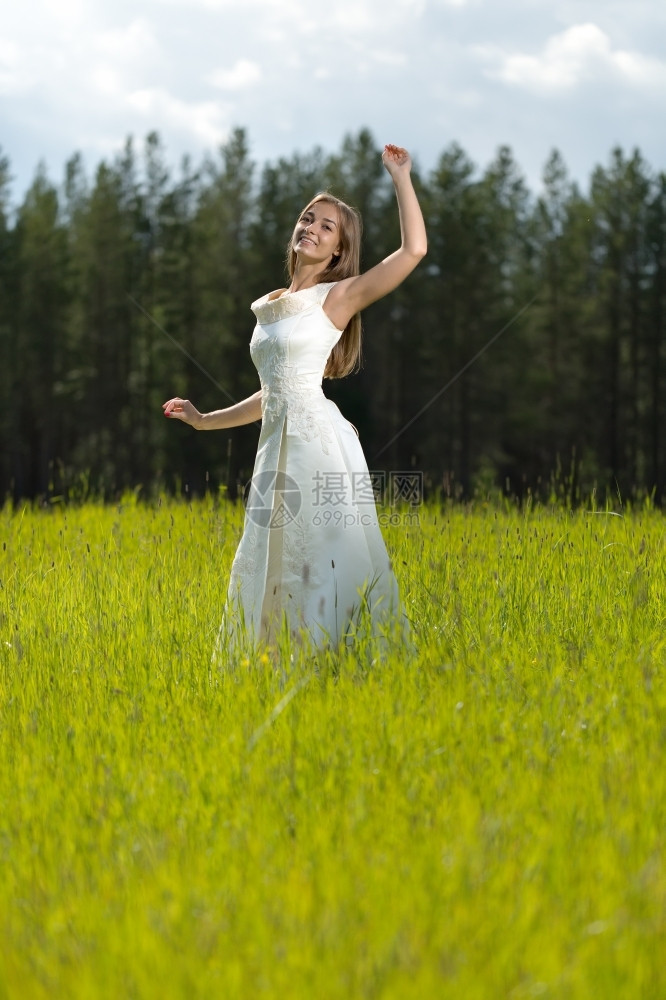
531 341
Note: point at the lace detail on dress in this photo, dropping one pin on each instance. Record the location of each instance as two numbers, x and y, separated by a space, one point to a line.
244 565
293 393
299 558
301 571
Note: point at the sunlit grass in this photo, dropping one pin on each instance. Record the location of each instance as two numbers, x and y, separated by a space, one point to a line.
482 818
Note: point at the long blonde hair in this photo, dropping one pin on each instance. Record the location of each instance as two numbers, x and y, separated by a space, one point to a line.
346 355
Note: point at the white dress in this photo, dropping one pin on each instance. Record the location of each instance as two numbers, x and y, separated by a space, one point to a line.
312 555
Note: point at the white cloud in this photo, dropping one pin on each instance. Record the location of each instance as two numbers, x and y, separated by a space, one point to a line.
106 81
581 53
351 13
241 75
135 41
386 57
12 73
300 17
159 109
68 11
641 70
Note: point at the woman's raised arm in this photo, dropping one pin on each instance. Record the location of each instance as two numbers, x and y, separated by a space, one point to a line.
353 294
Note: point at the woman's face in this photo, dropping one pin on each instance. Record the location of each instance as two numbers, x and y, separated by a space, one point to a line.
317 233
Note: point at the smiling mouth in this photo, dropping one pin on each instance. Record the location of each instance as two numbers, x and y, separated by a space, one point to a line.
306 239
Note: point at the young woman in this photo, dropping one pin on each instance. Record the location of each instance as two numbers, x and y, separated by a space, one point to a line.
312 556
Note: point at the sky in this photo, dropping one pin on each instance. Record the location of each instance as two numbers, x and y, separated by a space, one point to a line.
581 76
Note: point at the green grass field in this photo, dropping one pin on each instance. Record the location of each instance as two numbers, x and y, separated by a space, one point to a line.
483 818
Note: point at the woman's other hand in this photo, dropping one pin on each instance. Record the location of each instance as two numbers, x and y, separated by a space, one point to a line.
396 160
182 409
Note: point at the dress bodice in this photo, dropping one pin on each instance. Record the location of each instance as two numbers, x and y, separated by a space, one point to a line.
294 330
290 347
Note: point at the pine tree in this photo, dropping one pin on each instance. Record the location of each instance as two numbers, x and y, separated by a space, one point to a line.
39 338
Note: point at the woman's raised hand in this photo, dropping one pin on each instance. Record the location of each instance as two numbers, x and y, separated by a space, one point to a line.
182 409
396 160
